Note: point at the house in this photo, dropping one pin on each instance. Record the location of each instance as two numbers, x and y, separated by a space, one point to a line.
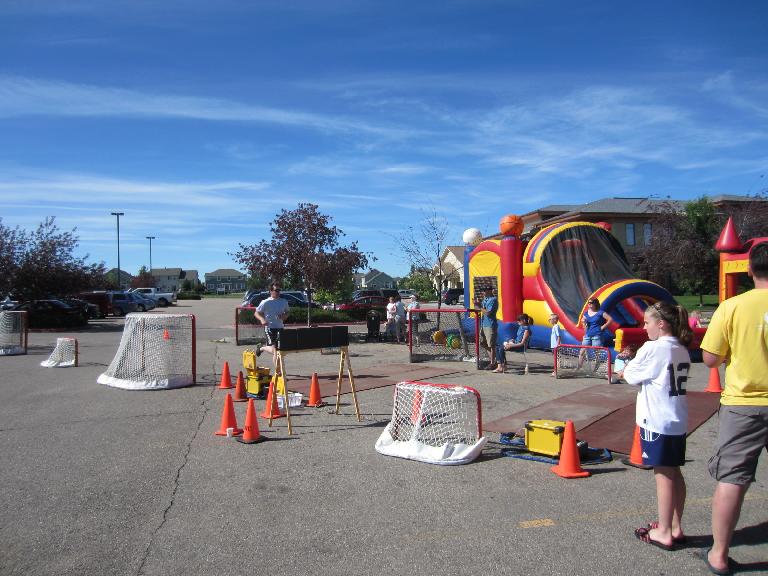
377 279
167 279
452 266
225 280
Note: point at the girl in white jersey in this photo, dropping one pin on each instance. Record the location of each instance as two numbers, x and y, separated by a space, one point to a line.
661 370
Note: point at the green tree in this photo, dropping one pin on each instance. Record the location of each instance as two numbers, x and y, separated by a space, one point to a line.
304 252
41 263
143 279
418 280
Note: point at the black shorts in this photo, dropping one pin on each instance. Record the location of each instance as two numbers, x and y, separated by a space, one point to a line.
273 337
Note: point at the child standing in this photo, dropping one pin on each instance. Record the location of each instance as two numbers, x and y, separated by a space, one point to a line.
622 359
554 336
661 370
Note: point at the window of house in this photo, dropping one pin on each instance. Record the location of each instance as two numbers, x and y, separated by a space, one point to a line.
630 234
647 231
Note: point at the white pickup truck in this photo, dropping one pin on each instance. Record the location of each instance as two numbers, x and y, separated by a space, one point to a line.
162 298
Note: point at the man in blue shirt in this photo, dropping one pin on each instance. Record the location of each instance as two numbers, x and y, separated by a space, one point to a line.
489 326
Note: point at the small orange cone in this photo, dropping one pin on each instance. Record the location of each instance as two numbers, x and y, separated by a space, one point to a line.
636 455
315 399
240 395
570 463
226 379
714 382
166 335
228 418
251 433
271 410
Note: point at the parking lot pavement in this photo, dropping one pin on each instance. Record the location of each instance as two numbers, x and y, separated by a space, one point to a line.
98 480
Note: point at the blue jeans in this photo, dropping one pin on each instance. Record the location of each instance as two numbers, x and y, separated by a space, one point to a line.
592 340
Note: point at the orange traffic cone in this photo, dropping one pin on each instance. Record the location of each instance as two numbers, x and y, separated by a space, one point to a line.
240 395
228 418
271 410
636 455
251 433
315 399
714 382
570 463
226 379
166 335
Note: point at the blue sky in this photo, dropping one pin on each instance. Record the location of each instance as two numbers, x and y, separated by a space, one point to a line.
201 120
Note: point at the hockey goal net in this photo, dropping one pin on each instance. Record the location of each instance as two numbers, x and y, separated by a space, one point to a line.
575 361
156 351
434 423
248 329
444 334
13 332
65 354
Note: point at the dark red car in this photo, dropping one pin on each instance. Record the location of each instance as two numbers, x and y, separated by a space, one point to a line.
359 307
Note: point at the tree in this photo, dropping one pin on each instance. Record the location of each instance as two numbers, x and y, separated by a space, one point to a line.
304 251
423 246
144 279
419 280
39 264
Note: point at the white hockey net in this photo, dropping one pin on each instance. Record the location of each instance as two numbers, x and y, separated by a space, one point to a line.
434 423
156 351
64 354
444 334
13 333
248 329
574 361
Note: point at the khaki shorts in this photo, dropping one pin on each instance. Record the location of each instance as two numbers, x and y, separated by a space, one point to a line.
488 336
742 436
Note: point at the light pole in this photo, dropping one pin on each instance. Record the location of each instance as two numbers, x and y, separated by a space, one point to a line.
119 279
150 238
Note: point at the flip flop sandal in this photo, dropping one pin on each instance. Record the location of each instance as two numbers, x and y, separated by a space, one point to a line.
732 564
676 539
643 535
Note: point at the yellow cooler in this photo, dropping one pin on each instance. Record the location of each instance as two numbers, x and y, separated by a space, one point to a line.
544 436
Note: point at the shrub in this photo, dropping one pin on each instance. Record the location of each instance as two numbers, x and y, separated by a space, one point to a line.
188 296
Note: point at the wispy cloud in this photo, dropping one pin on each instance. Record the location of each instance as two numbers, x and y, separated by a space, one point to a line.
26 97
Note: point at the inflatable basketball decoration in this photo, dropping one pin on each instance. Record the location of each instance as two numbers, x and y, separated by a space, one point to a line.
511 225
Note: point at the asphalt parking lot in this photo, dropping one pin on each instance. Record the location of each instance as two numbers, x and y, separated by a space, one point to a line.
98 480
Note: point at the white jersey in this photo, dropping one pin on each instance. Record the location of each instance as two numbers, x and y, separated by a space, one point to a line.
661 370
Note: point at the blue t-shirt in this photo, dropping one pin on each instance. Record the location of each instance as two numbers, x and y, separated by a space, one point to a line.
593 323
490 306
521 330
554 337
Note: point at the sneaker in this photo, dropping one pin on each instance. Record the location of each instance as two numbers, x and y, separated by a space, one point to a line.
258 349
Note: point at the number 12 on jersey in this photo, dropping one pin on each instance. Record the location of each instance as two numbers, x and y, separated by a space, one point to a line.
677 383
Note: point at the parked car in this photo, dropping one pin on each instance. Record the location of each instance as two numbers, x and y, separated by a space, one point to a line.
290 296
52 314
406 293
143 304
359 307
452 295
101 299
90 310
122 303
161 298
385 292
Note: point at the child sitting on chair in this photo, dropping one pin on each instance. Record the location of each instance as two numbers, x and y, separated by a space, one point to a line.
622 358
520 343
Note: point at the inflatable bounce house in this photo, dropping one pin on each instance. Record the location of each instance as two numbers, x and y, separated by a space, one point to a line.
734 259
557 271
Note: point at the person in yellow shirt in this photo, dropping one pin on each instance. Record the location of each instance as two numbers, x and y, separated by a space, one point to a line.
738 335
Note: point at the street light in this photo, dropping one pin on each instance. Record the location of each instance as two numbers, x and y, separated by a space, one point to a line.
118 214
150 238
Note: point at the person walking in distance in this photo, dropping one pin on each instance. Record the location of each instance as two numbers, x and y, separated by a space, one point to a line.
738 335
271 312
661 370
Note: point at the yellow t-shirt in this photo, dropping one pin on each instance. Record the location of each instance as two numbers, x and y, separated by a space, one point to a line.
739 331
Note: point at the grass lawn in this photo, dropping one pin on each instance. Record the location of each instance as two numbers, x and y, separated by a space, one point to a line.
692 301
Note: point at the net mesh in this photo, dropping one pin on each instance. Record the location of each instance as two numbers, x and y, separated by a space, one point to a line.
248 329
573 361
63 355
438 334
434 423
156 351
13 338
